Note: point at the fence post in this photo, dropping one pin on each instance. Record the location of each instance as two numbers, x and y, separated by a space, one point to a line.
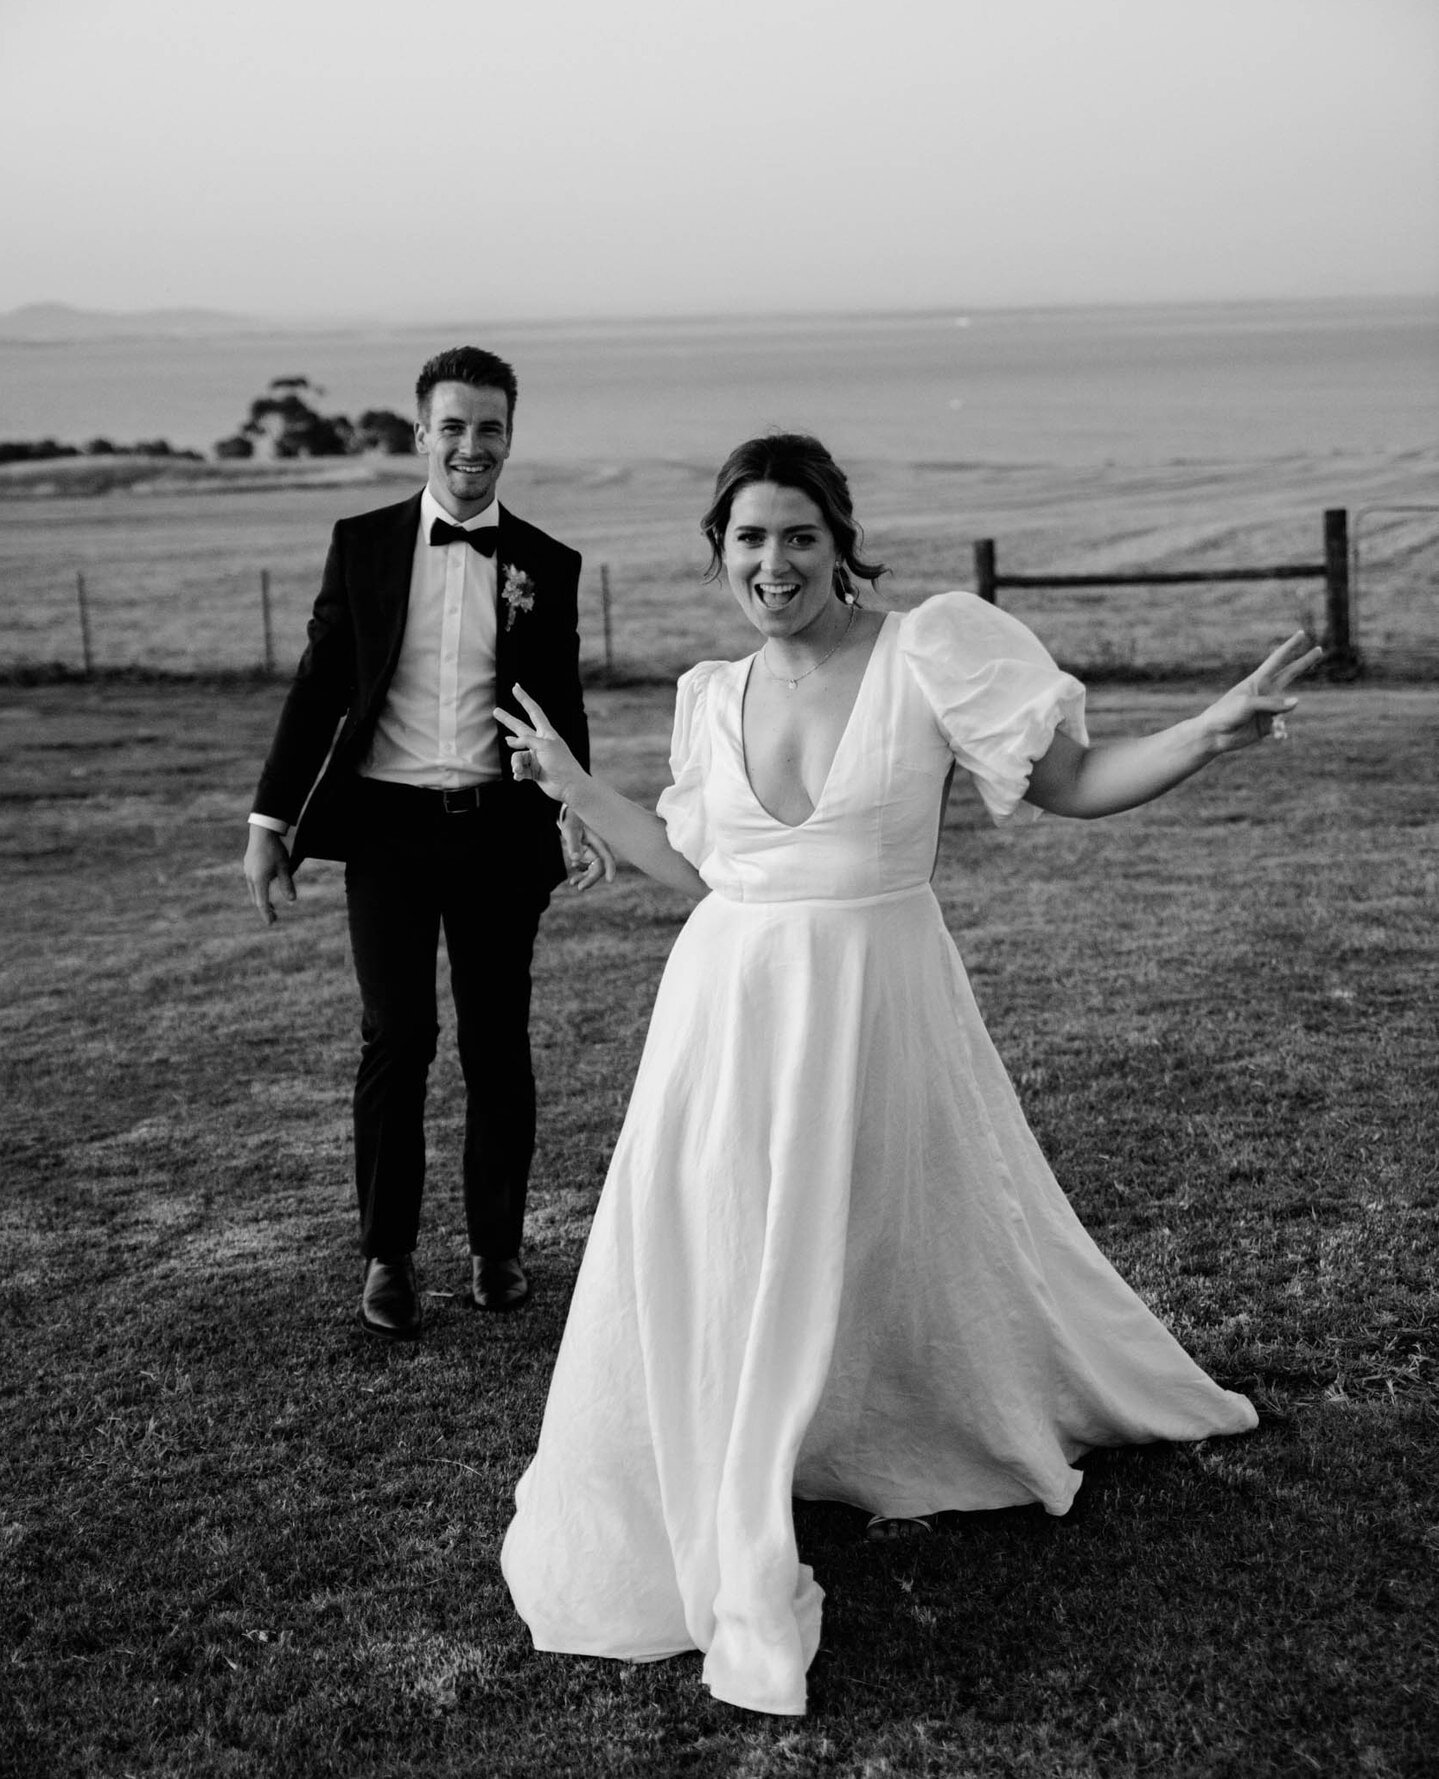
265 619
605 610
984 574
85 646
1338 636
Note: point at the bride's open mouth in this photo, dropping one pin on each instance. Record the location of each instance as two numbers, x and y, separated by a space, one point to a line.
776 595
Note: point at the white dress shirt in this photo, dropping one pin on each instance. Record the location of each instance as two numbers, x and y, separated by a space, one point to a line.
437 726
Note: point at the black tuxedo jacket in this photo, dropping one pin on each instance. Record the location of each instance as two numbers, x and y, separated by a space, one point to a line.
330 713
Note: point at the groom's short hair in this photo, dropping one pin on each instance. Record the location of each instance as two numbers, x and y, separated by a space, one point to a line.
467 364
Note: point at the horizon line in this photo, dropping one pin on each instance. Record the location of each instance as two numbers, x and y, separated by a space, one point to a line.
250 320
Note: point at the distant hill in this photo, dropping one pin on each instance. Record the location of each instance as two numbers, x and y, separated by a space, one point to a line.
40 322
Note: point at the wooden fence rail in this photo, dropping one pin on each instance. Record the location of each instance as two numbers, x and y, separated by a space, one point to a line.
1340 654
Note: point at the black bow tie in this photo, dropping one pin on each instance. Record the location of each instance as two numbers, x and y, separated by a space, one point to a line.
484 540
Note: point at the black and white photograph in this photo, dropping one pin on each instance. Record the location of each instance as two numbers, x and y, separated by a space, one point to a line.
721 850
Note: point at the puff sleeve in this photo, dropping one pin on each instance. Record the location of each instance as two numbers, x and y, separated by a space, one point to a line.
994 691
681 805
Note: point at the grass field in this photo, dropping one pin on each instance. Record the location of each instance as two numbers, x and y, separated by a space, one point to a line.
172 555
238 1539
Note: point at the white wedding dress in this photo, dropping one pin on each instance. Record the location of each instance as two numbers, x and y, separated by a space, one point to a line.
829 1259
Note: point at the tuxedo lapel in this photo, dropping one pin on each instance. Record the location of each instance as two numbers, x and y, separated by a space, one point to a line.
518 618
509 562
391 568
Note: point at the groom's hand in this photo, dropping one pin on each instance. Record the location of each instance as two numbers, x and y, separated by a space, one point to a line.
587 858
267 862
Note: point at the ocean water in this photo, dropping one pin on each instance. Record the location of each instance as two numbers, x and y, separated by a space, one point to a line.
1066 386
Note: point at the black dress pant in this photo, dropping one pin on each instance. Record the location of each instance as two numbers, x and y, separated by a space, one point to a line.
415 870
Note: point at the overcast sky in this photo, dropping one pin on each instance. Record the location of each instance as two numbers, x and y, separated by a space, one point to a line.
415 160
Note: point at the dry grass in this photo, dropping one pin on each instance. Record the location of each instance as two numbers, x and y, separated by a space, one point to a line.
237 1540
172 557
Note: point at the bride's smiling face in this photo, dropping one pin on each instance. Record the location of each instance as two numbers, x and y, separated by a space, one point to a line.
780 559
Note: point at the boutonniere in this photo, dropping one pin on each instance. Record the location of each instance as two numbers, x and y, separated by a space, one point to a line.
518 592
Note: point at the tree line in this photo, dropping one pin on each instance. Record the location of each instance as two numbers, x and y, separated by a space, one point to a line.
42 450
285 422
281 423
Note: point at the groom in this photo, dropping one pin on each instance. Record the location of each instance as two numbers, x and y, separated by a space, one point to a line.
429 612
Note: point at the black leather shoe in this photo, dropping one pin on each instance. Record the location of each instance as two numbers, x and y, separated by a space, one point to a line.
391 1301
498 1284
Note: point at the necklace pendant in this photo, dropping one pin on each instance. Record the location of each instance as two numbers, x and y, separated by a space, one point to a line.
792 684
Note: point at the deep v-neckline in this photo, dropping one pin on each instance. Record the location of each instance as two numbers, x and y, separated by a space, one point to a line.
839 747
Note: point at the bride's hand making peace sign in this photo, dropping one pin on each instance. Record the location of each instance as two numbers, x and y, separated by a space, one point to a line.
539 754
1255 709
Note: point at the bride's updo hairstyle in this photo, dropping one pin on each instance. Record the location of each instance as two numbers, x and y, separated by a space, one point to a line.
792 460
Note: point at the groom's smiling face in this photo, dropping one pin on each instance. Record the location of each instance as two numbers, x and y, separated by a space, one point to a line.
465 433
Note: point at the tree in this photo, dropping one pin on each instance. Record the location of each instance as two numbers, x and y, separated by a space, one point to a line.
293 427
283 423
381 429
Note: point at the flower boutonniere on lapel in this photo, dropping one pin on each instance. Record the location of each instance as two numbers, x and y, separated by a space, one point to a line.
517 593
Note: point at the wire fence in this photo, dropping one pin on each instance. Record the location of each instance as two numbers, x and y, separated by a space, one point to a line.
641 620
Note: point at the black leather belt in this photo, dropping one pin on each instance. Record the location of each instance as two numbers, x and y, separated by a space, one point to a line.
468 797
464 800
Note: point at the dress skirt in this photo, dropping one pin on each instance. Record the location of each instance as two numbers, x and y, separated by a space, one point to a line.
830 1261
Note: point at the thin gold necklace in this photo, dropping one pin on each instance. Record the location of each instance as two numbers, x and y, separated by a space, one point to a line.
785 679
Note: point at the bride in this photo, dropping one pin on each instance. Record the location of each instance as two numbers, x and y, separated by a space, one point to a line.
829 1259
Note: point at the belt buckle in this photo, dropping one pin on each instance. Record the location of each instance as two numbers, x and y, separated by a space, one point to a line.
462 801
